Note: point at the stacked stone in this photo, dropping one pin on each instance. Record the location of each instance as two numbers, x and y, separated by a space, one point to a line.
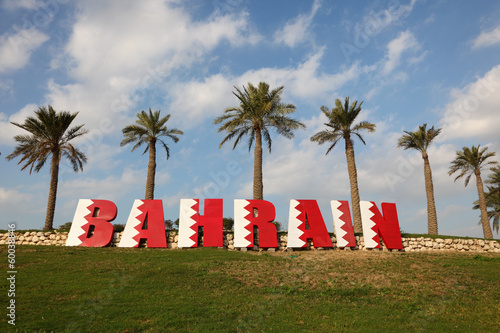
37 238
456 244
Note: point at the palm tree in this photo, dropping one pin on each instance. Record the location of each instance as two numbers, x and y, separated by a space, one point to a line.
259 110
492 198
149 129
50 138
341 126
470 161
420 140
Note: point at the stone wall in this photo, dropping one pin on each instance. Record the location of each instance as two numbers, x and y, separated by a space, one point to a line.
409 244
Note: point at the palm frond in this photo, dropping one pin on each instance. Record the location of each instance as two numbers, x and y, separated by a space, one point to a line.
149 126
259 110
50 134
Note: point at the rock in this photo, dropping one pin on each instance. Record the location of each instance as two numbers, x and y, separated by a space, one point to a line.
35 239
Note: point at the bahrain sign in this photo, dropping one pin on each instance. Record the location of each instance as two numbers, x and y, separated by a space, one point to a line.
91 224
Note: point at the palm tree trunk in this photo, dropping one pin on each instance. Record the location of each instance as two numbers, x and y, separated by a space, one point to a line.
258 186
353 178
482 206
150 182
51 203
432 226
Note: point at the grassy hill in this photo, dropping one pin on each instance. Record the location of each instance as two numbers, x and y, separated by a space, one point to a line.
67 289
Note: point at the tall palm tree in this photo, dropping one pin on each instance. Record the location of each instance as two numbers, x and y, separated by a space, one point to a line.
259 110
149 128
420 141
492 198
49 137
470 161
341 125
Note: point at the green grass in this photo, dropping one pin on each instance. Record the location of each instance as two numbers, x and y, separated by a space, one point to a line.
68 289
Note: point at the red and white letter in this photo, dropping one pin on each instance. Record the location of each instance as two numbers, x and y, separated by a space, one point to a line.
91 224
190 220
343 224
376 224
244 221
304 212
145 222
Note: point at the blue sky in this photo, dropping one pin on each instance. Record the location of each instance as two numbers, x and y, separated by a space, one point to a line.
410 61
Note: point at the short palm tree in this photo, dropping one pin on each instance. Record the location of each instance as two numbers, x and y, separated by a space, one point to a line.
470 161
341 125
49 137
492 198
259 110
420 141
149 128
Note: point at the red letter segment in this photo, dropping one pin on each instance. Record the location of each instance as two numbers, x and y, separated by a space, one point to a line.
145 222
375 224
190 220
343 224
302 211
244 221
92 215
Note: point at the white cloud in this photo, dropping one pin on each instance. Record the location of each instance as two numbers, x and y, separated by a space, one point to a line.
6 86
376 21
16 49
7 130
403 43
487 38
297 30
473 111
122 51
9 197
120 39
109 188
199 100
25 4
